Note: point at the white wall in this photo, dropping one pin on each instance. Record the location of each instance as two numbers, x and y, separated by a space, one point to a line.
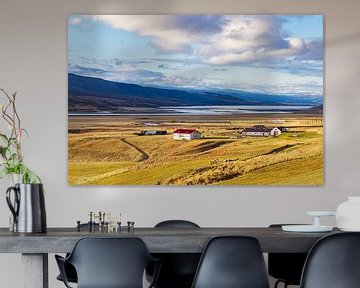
33 62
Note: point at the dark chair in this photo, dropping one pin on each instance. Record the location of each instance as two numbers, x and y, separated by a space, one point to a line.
286 267
178 269
108 263
232 262
333 262
70 273
69 269
176 224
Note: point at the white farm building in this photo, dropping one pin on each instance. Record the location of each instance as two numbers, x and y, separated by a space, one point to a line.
186 134
261 131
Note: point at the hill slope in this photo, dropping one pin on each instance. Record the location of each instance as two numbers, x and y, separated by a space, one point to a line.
88 94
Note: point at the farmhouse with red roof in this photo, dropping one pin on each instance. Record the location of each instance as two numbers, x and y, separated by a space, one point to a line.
186 134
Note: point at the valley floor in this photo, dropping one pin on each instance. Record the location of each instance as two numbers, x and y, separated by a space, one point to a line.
107 151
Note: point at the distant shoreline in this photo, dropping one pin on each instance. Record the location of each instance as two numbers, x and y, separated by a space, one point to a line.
205 111
195 118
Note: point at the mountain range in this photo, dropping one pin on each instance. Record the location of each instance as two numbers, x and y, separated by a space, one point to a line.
91 95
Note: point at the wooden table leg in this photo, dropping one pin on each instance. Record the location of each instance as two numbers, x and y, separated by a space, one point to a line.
35 270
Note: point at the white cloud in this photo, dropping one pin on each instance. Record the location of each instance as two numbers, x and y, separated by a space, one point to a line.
165 34
74 20
218 40
247 39
295 46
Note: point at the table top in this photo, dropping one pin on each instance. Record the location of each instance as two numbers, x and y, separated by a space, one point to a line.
158 240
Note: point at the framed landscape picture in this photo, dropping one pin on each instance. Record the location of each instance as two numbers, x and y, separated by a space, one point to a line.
195 100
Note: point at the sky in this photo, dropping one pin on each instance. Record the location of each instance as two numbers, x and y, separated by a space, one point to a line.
273 54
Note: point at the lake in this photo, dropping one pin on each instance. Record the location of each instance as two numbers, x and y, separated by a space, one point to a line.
207 110
231 110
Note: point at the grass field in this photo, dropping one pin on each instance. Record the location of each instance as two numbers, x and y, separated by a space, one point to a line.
105 150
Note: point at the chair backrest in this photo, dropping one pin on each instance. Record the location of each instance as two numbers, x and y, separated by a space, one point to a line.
177 268
176 224
232 262
333 262
110 262
286 266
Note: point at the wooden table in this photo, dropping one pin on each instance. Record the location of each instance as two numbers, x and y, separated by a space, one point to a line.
35 247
